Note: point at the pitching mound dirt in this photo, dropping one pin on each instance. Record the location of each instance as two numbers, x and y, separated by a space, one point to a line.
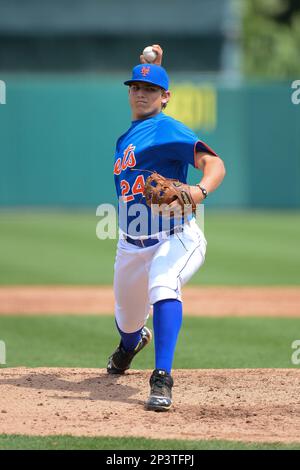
261 405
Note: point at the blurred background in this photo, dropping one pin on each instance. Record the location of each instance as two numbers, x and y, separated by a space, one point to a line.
232 64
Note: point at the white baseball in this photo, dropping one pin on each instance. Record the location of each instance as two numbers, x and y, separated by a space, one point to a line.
149 54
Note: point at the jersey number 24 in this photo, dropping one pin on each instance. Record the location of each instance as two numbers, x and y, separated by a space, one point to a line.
137 188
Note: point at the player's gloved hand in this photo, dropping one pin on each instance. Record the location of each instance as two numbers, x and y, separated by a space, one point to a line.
168 197
158 60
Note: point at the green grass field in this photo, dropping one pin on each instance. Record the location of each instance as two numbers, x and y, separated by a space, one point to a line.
112 443
244 248
86 341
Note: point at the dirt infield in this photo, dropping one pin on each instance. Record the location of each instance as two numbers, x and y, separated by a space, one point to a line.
198 301
248 405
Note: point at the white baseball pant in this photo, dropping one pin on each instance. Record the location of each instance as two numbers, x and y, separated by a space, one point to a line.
143 276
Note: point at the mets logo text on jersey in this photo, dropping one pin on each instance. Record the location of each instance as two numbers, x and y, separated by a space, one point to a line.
128 160
122 163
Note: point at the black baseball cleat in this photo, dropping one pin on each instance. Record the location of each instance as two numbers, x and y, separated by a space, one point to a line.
160 398
120 360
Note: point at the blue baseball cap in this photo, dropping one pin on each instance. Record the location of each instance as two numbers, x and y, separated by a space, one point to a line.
150 73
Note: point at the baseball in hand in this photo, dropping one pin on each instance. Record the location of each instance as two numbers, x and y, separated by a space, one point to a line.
149 54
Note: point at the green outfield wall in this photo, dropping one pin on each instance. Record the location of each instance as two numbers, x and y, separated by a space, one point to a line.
58 133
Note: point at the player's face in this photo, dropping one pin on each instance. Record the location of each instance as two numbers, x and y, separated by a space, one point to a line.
146 100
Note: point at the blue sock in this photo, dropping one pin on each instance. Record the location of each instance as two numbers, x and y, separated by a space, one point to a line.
130 340
167 320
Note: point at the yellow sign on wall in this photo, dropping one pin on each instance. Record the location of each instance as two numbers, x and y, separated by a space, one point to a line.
194 105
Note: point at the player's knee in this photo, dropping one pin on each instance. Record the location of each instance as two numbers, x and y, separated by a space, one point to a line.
129 323
161 293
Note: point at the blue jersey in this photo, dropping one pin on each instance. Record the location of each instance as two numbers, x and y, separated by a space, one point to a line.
160 144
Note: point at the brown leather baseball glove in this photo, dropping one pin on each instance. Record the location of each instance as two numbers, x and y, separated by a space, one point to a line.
160 190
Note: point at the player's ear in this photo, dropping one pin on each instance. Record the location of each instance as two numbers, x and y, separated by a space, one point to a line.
165 97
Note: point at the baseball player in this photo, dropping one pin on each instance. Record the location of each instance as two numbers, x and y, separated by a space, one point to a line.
153 263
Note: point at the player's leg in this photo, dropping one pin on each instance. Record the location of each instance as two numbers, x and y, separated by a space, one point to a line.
195 243
186 254
175 261
130 288
131 306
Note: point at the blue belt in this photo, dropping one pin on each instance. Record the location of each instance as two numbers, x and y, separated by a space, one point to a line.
146 242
